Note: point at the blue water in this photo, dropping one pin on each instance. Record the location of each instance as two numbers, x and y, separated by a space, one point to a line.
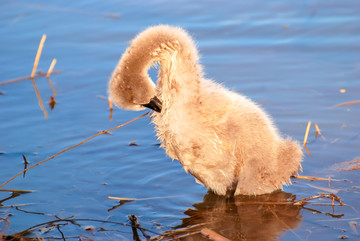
291 57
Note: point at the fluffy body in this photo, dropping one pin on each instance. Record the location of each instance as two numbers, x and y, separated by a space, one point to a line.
225 140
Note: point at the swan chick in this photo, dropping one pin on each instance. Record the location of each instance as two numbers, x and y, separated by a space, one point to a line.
225 140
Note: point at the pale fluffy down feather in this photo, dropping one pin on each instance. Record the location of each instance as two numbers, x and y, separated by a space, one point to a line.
225 140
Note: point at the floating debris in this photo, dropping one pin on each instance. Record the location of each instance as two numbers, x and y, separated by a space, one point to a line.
52 102
133 143
342 90
113 15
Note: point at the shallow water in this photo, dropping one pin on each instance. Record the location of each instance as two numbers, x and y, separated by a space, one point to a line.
292 58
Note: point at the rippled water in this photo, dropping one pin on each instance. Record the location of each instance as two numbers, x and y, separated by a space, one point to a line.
291 57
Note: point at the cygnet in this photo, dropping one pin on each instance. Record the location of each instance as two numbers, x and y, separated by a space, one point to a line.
224 139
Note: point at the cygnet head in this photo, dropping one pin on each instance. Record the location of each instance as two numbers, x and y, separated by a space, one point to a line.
130 89
130 86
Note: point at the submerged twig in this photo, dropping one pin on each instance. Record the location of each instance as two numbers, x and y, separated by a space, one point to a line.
5 228
69 148
111 109
302 201
348 103
39 74
212 235
135 224
319 212
25 163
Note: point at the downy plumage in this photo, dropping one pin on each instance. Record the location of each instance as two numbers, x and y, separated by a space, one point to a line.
225 140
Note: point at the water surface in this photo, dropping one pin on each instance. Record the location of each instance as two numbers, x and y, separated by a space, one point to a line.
292 58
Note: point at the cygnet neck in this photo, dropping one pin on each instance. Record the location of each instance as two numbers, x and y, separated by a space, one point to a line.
179 70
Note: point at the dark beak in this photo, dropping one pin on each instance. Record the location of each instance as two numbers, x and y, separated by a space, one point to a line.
154 104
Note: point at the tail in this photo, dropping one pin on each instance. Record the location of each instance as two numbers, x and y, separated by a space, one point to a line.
130 85
289 159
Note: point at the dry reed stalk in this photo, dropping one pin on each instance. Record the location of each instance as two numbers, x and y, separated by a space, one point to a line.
40 101
52 65
38 54
318 132
212 235
15 190
110 104
306 136
121 198
307 133
140 199
111 109
348 103
69 148
28 77
316 178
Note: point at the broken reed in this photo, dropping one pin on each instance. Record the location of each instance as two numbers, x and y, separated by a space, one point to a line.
52 65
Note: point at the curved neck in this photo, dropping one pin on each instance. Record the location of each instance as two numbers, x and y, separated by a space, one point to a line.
173 48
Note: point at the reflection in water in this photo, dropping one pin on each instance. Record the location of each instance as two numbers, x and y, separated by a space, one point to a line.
52 65
39 98
263 217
